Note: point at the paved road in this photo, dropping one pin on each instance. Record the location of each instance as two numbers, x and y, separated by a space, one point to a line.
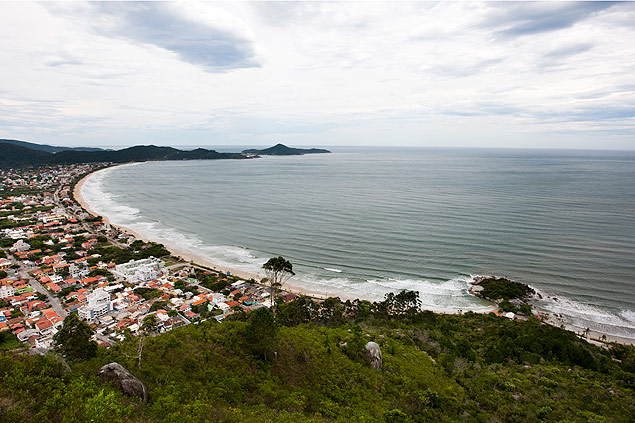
53 300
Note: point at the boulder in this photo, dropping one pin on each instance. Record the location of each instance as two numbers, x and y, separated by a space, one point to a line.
130 385
373 355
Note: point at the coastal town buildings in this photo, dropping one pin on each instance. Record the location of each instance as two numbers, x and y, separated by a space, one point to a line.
58 260
144 270
98 304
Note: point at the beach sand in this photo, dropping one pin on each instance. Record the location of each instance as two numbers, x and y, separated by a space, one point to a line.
290 286
191 257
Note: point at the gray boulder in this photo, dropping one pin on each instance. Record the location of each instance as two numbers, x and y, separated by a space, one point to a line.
373 355
130 385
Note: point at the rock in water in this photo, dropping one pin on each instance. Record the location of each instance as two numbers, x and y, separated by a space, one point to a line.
373 355
130 385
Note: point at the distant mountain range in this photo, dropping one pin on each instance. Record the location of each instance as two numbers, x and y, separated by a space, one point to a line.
15 153
48 148
283 150
21 153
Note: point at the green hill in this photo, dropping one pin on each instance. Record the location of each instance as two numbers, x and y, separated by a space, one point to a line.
13 155
283 150
436 368
47 148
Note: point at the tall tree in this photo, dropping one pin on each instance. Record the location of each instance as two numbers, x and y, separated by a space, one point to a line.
73 340
260 332
278 271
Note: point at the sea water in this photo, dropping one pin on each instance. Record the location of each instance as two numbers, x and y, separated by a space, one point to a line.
362 222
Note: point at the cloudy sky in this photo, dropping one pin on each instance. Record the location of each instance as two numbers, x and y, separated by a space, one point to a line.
495 74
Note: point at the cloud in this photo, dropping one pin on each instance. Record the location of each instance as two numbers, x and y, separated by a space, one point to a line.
570 50
208 37
519 19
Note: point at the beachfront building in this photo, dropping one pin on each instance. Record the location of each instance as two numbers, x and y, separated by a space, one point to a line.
139 271
98 304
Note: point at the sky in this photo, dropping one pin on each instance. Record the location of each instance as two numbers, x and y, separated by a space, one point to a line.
446 74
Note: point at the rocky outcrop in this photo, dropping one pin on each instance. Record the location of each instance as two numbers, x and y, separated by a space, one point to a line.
130 385
373 355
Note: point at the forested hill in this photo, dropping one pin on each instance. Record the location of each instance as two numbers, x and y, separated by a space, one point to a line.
307 364
47 148
14 155
283 150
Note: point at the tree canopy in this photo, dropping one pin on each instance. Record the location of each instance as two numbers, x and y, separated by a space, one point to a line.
73 340
278 270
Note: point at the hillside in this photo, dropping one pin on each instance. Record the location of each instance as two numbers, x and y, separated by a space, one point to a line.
440 368
283 150
13 155
47 148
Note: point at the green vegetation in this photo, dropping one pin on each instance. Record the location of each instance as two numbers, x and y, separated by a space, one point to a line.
73 339
9 341
497 288
283 150
13 155
137 250
307 365
148 293
277 271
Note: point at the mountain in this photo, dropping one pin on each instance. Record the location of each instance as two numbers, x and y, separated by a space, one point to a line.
47 148
283 150
14 155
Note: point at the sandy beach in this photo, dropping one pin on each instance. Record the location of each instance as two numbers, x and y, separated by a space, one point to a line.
191 257
290 286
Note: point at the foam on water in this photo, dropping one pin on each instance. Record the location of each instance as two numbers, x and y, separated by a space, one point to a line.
416 233
104 203
582 316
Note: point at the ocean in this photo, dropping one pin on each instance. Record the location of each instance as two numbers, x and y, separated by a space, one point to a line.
361 222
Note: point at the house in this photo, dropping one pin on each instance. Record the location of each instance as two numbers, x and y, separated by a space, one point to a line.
287 298
6 289
98 304
20 246
4 264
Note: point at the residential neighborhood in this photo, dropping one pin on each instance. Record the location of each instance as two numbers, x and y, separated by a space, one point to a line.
57 259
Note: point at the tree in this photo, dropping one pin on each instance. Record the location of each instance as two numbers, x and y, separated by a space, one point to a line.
73 340
278 271
261 332
149 322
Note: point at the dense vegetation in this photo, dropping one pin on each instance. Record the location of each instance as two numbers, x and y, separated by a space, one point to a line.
307 365
283 150
45 147
501 288
13 155
136 251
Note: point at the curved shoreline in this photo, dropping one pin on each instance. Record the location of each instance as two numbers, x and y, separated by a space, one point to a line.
290 286
189 256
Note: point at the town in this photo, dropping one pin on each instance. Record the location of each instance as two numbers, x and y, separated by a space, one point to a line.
57 259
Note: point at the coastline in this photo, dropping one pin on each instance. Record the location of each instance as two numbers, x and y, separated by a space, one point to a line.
191 257
595 337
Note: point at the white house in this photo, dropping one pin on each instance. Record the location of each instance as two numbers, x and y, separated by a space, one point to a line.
6 290
20 246
143 270
98 304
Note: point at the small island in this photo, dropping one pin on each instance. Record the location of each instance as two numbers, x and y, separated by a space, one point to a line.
283 150
511 297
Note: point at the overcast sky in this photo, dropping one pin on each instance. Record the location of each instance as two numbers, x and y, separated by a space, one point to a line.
494 74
